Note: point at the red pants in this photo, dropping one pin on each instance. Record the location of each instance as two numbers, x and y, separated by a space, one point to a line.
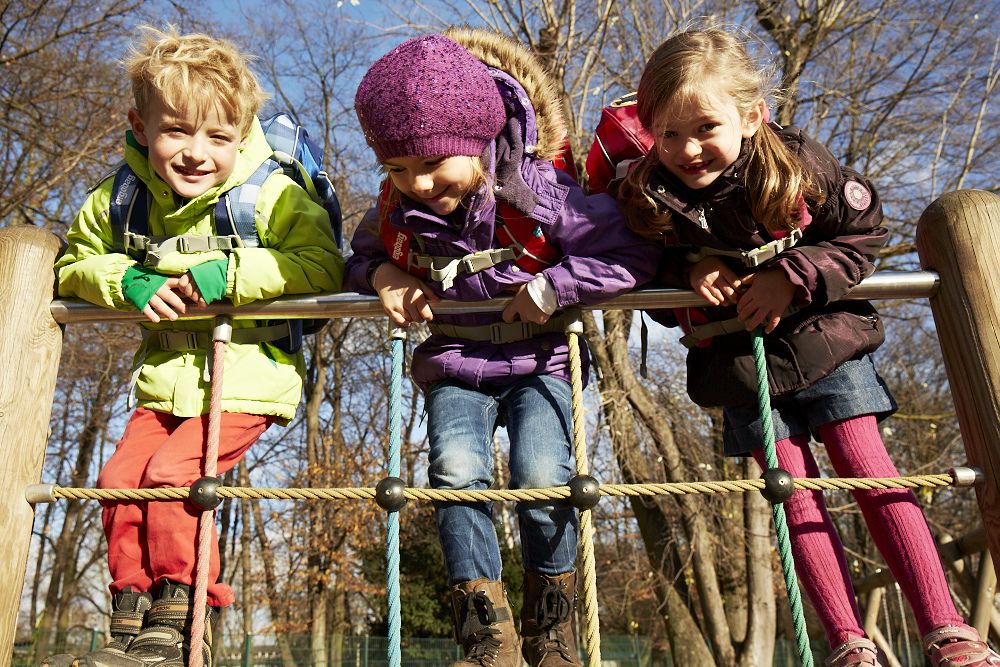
154 540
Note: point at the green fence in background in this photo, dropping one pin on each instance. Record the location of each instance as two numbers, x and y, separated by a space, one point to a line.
367 651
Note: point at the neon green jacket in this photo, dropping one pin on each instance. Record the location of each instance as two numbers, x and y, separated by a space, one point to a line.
297 255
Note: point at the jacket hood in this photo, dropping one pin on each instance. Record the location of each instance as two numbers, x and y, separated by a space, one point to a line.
505 54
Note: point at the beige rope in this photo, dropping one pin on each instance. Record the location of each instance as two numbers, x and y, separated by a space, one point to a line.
592 637
550 493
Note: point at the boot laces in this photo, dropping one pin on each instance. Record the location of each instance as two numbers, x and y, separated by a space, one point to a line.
552 610
478 628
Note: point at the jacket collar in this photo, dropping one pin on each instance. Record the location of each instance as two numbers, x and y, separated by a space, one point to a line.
671 191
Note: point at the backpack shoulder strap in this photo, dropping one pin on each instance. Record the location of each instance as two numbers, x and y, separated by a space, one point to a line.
129 209
283 134
236 211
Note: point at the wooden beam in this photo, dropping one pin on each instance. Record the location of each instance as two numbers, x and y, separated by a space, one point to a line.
30 344
958 236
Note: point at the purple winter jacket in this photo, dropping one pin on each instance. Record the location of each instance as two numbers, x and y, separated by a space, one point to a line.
601 257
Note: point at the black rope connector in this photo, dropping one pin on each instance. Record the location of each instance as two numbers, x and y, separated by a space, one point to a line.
389 494
584 492
778 485
204 493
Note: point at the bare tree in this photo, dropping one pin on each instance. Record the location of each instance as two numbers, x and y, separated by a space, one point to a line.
61 102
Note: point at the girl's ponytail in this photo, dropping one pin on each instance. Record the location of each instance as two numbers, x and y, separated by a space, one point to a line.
642 215
777 182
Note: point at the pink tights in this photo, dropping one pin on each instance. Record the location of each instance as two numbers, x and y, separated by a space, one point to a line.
894 518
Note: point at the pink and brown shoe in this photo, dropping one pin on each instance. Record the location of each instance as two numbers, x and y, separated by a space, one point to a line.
857 651
958 646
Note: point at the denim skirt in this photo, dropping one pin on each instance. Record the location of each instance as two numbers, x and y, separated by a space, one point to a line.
854 389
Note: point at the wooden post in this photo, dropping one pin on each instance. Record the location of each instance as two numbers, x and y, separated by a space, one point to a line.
959 237
30 344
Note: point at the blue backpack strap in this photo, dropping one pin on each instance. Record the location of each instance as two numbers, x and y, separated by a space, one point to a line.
236 211
129 209
283 134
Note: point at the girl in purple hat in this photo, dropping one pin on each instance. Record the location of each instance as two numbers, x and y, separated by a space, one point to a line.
465 126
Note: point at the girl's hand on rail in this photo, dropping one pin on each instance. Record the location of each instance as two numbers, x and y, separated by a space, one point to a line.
405 298
714 281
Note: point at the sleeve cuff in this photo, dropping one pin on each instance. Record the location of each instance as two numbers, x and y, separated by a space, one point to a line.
543 294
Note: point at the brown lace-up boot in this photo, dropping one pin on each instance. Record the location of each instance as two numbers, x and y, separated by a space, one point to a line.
166 639
547 620
128 615
484 625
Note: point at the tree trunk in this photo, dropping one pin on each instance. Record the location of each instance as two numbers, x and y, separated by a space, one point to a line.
618 379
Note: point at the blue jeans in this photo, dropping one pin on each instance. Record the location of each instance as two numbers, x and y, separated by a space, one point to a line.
461 422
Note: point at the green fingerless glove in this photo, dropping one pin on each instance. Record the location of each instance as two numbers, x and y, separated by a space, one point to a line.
139 284
210 277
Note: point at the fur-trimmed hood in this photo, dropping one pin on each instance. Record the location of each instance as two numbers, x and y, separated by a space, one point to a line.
506 54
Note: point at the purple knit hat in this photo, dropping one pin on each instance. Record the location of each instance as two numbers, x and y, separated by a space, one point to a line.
428 96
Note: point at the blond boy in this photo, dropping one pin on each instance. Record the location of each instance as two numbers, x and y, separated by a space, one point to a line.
193 135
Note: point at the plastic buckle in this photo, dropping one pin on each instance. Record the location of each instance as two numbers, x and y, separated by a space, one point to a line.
178 341
496 333
515 332
757 256
182 244
476 263
134 241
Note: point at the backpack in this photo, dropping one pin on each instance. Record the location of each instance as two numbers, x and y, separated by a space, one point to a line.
294 154
618 140
518 238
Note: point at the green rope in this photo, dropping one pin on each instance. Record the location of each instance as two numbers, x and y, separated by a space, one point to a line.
780 524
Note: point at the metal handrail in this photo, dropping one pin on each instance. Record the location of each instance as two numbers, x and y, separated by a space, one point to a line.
882 285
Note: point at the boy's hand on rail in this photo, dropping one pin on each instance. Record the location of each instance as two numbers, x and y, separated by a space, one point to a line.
172 298
405 298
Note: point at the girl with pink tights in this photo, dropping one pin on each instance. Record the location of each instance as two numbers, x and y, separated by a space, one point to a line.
765 224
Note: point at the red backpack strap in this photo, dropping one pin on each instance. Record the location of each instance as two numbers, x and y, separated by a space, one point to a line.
619 137
397 241
564 161
524 235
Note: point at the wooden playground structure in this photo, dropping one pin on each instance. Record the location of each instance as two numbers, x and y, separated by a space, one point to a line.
957 249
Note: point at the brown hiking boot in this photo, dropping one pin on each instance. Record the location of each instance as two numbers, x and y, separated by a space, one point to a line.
484 625
128 615
166 639
547 620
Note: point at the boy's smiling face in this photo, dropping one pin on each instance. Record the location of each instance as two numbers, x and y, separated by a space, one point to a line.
192 150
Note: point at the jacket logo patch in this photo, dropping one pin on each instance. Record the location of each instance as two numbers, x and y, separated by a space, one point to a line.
397 246
858 197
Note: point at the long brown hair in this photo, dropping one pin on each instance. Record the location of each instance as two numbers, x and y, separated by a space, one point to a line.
678 69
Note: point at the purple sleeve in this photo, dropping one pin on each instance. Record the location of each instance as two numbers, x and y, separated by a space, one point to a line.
368 250
602 258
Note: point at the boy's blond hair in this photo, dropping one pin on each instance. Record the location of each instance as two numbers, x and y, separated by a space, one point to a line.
181 69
